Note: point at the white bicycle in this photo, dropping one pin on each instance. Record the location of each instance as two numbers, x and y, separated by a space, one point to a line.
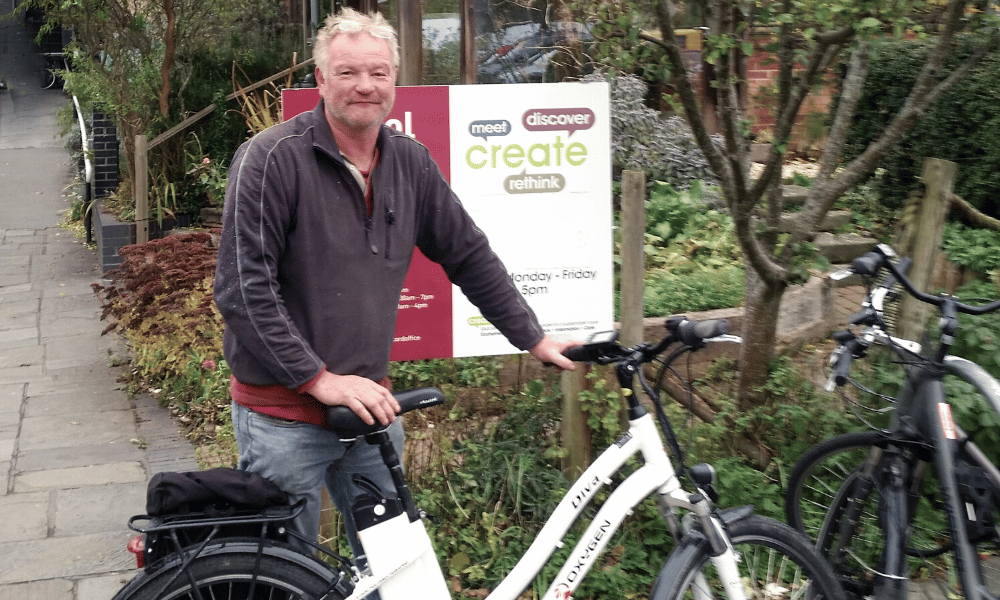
731 554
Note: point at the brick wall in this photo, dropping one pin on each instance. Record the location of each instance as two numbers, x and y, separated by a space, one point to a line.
105 144
762 77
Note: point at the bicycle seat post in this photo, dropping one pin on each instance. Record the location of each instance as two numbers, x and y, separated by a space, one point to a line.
391 459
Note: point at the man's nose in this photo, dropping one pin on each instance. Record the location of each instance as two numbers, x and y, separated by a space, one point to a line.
365 83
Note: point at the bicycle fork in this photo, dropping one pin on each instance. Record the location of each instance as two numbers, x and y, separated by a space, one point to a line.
894 515
724 557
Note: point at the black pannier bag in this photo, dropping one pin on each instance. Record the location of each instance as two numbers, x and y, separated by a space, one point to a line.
196 491
191 504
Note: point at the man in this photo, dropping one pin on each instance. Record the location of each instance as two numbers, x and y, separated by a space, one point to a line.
322 214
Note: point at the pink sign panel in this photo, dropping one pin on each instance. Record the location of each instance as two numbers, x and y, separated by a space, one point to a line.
424 323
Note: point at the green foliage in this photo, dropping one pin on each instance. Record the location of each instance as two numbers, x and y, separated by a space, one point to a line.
692 260
668 212
868 211
602 402
962 126
971 248
669 294
476 372
978 337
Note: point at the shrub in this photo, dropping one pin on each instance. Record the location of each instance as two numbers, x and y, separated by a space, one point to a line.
641 140
962 126
974 249
160 300
692 260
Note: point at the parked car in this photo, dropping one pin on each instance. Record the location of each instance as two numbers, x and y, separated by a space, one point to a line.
522 53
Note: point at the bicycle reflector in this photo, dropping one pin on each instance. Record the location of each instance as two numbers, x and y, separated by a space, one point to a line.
135 546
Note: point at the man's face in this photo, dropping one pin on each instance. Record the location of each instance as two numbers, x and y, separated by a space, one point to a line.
359 87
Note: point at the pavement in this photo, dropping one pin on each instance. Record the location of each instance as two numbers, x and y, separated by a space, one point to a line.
76 452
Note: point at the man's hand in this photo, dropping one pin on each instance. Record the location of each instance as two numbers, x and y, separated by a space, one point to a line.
549 351
367 399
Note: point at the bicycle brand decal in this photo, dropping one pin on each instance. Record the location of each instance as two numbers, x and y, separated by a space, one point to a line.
586 492
947 421
581 561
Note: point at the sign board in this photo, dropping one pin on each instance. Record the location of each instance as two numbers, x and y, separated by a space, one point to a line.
532 165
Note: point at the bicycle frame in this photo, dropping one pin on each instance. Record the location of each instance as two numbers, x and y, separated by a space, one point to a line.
416 563
924 399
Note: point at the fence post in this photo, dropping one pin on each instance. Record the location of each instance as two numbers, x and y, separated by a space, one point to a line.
141 187
924 243
574 434
633 230
631 250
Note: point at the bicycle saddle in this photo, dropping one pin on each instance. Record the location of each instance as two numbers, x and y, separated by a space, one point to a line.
348 426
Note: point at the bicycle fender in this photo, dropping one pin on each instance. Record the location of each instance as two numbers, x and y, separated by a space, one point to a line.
673 570
736 513
234 546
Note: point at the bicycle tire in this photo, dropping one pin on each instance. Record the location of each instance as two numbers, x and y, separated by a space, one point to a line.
49 79
776 562
233 569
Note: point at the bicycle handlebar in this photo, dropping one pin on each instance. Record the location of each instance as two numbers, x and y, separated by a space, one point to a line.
603 347
869 264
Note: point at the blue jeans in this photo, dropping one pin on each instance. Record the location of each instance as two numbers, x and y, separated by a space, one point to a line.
300 457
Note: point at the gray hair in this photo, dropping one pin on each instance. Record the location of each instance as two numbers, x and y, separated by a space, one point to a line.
330 30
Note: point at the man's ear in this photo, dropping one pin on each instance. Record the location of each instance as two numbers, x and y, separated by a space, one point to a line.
318 73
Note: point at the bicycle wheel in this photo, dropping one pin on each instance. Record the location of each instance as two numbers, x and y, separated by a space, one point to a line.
229 571
866 514
775 563
819 473
822 470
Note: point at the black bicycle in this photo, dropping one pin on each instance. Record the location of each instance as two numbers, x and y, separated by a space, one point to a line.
914 496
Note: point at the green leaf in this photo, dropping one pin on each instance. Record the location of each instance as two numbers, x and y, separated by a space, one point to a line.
870 23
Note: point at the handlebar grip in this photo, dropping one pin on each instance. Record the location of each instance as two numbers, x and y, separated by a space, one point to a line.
693 333
867 264
579 353
842 368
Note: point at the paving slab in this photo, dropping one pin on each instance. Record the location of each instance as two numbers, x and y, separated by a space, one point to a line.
24 335
24 516
102 588
53 589
69 557
28 355
75 477
76 514
74 402
61 431
81 456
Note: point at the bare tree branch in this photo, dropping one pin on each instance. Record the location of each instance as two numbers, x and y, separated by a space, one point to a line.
972 215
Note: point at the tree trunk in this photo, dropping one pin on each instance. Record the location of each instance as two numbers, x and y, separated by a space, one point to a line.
760 319
168 57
